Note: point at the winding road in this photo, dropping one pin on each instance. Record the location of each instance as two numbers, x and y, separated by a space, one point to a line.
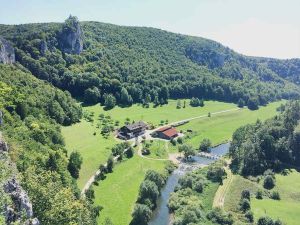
147 135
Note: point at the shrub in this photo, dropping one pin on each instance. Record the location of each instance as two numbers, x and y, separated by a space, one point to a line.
259 194
245 194
217 215
245 205
216 174
269 182
249 216
275 195
110 164
205 145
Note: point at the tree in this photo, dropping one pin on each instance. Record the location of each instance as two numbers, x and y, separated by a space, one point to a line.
245 194
245 205
141 214
74 165
130 152
269 182
187 151
265 220
148 190
250 217
155 177
259 194
241 103
253 104
109 101
110 164
92 95
205 145
125 98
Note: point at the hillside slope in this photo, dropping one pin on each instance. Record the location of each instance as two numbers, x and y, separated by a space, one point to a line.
138 64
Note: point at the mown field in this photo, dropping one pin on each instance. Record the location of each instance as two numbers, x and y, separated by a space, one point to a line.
288 208
94 149
220 127
166 112
119 191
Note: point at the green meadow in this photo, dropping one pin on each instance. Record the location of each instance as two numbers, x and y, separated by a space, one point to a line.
94 149
118 192
220 127
168 112
287 208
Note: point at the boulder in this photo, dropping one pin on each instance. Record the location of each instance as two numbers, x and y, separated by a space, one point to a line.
71 36
7 52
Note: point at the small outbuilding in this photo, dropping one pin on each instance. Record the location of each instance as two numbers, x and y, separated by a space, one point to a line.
167 133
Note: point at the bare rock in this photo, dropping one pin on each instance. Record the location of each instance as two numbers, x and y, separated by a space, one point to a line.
71 36
7 52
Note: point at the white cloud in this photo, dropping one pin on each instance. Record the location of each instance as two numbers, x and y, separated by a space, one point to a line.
258 38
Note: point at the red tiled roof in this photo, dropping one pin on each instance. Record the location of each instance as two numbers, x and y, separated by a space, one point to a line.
170 132
162 129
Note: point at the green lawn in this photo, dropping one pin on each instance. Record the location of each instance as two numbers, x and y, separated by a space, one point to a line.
119 191
158 149
288 208
166 112
94 149
220 127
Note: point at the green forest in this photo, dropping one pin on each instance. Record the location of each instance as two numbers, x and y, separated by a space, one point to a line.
125 65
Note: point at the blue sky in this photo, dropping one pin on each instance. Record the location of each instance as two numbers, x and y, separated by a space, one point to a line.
252 27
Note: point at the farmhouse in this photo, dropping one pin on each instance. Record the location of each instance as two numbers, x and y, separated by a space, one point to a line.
132 130
167 133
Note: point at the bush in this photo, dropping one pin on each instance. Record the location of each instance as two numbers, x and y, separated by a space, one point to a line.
259 194
216 174
249 216
217 215
245 205
269 182
275 195
245 194
179 140
205 145
265 220
110 164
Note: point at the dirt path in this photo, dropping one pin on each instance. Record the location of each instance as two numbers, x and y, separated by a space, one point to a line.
223 189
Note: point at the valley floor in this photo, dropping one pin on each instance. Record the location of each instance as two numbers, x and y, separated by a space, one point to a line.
119 191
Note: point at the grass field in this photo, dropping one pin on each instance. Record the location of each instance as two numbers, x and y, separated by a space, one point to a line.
119 191
219 128
158 149
94 149
288 208
166 112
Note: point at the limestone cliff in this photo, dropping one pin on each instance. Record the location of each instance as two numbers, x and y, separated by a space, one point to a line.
15 205
71 36
7 52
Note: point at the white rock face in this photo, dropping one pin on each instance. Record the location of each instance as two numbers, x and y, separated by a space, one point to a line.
7 52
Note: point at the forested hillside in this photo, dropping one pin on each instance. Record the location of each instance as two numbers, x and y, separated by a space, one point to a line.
274 144
32 112
116 64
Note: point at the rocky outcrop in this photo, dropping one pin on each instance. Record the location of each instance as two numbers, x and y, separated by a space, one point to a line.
18 207
7 52
71 36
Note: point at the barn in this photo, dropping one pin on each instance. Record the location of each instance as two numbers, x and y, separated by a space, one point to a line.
167 133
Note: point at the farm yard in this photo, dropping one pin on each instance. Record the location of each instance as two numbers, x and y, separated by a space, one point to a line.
115 194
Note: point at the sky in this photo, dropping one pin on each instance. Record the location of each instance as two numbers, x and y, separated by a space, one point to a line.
269 28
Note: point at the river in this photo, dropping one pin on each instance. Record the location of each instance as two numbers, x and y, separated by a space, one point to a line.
161 215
